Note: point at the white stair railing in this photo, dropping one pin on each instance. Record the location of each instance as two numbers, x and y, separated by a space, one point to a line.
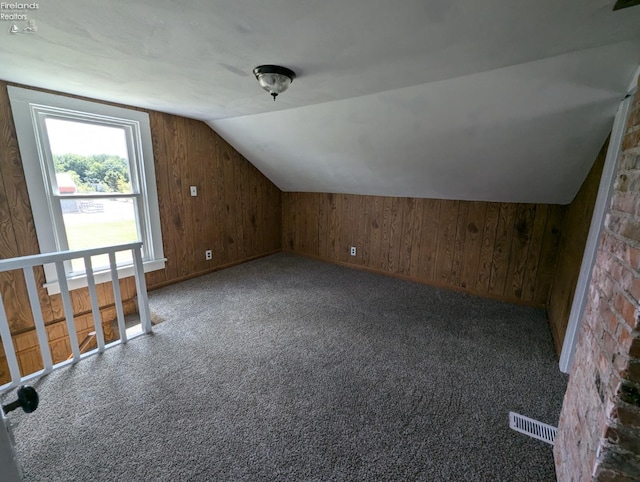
27 263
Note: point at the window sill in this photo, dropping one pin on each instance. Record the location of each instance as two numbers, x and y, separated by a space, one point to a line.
103 276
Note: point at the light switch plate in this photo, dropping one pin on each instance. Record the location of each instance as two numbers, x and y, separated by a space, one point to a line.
194 190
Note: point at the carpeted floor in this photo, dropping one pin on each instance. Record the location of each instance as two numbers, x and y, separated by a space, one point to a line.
286 368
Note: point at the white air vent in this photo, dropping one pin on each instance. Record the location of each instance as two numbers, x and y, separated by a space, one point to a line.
532 428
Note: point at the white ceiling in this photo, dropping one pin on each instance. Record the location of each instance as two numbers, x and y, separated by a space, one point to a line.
495 100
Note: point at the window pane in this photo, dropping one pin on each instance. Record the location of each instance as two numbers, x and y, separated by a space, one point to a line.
89 157
93 223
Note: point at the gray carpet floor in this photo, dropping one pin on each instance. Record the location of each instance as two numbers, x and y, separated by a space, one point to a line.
286 368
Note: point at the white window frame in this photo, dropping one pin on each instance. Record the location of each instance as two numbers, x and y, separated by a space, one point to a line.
30 109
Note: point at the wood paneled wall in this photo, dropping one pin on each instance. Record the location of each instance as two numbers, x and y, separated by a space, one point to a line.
500 250
571 250
237 214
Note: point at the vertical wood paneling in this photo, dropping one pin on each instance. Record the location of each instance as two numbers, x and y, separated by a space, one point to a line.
395 233
458 248
261 221
312 223
323 225
252 208
429 239
230 202
549 255
16 229
176 154
525 215
221 201
240 209
194 167
161 166
446 241
501 252
338 222
473 244
571 250
416 230
211 220
504 251
235 171
332 224
344 238
535 249
492 215
376 216
386 234
361 213
289 220
407 236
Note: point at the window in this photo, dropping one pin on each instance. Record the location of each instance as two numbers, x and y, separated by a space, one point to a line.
91 180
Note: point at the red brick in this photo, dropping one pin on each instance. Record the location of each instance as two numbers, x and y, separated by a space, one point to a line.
611 321
608 317
634 288
618 272
609 343
631 140
608 287
625 309
603 359
602 258
625 202
611 244
634 117
630 228
615 386
633 255
624 338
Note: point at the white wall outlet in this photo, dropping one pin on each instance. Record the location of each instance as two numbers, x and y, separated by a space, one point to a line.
353 250
194 190
208 255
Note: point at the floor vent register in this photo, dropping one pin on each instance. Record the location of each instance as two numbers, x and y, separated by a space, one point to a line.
532 428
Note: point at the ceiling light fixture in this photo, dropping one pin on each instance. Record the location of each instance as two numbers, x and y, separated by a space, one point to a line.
274 79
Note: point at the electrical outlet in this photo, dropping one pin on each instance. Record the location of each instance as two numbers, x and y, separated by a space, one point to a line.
353 250
194 190
208 255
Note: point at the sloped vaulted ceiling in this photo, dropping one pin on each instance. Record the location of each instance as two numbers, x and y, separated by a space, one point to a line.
496 100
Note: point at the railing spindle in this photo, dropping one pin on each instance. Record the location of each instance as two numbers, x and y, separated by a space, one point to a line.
68 310
95 307
141 288
7 343
41 331
117 297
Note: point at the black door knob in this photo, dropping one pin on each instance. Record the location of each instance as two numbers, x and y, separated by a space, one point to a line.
27 399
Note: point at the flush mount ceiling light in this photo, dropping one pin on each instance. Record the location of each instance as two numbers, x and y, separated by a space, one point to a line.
273 78
620 4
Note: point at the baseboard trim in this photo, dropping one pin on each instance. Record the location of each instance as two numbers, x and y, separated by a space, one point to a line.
435 284
211 270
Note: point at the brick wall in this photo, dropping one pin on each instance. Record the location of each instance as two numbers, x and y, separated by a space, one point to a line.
599 430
